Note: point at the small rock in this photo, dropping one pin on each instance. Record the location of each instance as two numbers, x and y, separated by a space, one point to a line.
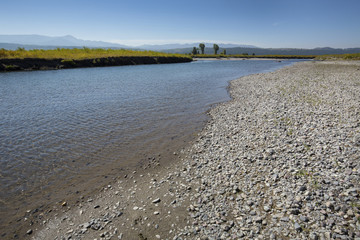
86 225
297 227
258 219
295 211
327 235
350 213
267 208
252 213
313 236
275 177
29 231
304 219
156 213
352 192
329 205
157 200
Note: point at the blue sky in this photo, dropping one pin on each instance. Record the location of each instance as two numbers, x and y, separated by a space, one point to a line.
264 23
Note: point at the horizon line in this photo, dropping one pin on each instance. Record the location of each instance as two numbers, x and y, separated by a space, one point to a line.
156 42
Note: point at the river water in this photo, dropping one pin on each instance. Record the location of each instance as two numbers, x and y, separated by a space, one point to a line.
60 128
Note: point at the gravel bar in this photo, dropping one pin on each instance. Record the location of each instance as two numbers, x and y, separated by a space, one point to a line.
281 160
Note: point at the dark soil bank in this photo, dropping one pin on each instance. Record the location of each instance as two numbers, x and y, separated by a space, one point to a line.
47 64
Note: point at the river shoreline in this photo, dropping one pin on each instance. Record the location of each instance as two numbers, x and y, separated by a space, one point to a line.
281 159
279 59
31 64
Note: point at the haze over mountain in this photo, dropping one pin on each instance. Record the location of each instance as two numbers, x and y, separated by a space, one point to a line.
191 45
67 40
270 51
13 42
31 41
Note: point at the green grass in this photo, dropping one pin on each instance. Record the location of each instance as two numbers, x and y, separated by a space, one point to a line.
302 173
353 56
80 53
11 67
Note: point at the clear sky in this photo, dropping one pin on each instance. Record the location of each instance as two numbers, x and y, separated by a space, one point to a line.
264 23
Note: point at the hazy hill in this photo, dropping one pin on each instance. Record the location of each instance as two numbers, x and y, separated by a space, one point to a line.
12 42
163 47
14 46
46 42
271 51
64 41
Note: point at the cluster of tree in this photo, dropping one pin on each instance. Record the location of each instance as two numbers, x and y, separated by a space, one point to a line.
273 51
202 48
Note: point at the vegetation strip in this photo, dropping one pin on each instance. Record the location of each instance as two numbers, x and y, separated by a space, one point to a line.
60 58
255 56
352 56
38 59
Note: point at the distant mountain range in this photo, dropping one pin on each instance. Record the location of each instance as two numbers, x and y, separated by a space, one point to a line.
272 51
191 45
36 41
64 41
13 42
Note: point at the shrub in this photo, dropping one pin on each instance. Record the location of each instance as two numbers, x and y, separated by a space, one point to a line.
68 61
11 67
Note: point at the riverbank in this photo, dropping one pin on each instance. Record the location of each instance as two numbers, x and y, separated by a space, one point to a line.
280 160
238 59
251 57
30 64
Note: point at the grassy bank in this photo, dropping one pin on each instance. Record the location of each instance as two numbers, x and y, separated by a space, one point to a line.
38 59
81 53
354 56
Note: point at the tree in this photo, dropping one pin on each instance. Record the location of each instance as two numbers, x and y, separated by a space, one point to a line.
202 47
194 51
216 48
223 52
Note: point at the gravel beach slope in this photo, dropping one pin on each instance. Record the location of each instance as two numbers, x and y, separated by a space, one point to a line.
281 160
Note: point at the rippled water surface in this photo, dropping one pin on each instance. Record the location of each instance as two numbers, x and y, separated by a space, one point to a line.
56 125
